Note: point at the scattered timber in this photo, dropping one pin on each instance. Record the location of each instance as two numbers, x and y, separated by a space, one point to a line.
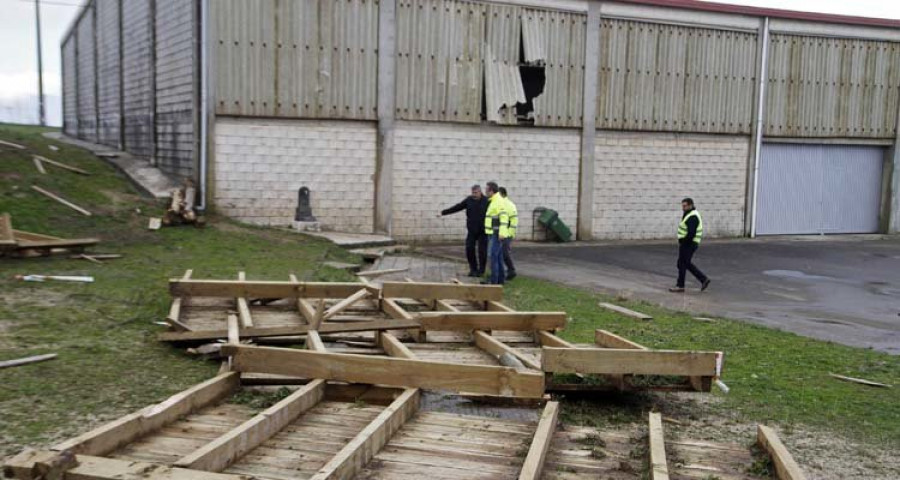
785 466
39 166
659 467
540 444
27 360
11 144
375 273
625 311
61 200
62 165
860 381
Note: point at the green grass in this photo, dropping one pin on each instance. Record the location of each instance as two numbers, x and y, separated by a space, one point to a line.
774 376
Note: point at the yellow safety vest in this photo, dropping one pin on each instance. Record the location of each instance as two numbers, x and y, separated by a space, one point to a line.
683 228
496 220
513 218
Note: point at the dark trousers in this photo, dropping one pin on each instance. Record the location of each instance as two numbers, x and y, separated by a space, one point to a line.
476 251
686 253
507 256
497 273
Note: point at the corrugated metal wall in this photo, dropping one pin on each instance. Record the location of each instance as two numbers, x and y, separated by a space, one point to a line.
137 82
674 78
558 39
87 71
108 100
69 92
832 87
175 85
440 60
313 58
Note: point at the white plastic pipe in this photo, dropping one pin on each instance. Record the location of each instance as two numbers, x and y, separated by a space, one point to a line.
204 100
763 76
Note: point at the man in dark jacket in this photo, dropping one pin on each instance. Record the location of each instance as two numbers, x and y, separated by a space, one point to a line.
475 206
690 233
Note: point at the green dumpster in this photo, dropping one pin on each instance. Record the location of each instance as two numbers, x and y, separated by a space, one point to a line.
550 220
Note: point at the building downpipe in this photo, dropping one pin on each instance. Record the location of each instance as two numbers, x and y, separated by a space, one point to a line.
760 120
204 101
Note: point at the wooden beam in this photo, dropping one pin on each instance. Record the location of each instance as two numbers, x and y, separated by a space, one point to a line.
242 307
785 466
518 321
497 307
27 360
234 337
394 310
91 467
314 341
659 467
289 330
625 311
393 346
488 380
344 304
610 340
486 342
444 306
109 437
860 381
442 291
375 273
61 200
260 289
304 306
629 362
174 317
62 165
540 444
548 339
6 230
362 448
226 449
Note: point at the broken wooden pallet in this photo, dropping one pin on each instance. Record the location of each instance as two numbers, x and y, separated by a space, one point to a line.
20 243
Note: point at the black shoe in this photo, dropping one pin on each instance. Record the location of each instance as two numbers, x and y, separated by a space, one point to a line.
677 289
705 284
511 276
473 274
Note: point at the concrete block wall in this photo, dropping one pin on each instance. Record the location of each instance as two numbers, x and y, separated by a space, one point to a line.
108 72
87 111
640 179
261 164
137 82
436 164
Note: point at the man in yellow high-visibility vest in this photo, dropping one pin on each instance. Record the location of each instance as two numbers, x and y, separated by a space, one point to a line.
513 229
496 227
690 233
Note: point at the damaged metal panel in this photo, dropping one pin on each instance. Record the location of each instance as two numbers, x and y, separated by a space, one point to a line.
175 84
108 84
87 66
69 88
503 89
137 83
660 77
440 60
315 58
832 87
556 40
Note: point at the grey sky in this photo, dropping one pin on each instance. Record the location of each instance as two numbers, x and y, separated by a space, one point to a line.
18 66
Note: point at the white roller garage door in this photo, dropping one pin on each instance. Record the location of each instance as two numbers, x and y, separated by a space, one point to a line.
814 189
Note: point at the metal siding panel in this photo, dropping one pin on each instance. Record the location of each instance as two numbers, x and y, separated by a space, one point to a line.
560 38
70 94
136 81
108 71
87 111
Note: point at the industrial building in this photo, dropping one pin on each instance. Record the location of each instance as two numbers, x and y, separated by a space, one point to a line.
775 122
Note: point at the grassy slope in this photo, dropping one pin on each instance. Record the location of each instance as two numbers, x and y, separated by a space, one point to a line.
109 361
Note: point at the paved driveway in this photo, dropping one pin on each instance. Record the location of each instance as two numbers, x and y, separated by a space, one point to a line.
842 289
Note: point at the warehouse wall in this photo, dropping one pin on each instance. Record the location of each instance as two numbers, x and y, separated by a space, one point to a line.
640 179
87 75
435 165
137 84
261 164
69 92
108 81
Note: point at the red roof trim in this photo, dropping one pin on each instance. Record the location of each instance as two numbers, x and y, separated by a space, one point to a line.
769 12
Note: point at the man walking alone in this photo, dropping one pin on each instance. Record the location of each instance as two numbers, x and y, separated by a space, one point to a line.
690 232
475 206
513 227
496 225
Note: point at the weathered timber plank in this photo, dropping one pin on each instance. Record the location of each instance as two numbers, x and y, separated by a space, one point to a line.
548 339
394 347
234 336
242 306
392 308
261 289
517 321
488 380
486 342
498 307
345 304
113 435
289 330
605 339
61 200
785 466
633 362
659 467
27 360
174 317
625 311
6 230
314 341
442 291
540 444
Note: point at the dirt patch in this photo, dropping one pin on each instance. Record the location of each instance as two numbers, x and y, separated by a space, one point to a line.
32 297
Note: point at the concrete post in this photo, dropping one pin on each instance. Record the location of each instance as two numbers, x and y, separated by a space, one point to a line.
584 230
384 160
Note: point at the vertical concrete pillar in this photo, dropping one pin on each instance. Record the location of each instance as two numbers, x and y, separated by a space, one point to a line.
384 159
584 230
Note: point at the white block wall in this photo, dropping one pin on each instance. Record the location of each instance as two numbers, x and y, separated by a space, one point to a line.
260 165
640 179
435 165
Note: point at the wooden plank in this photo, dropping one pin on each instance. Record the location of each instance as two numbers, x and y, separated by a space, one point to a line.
6 230
488 380
261 289
610 340
393 346
442 291
22 235
38 165
860 381
785 466
517 321
11 144
304 306
27 360
61 200
356 454
289 330
392 308
62 165
242 307
625 311
629 362
540 444
226 449
174 317
486 342
314 341
548 339
109 437
59 243
345 304
659 467
498 307
375 273
234 336
98 468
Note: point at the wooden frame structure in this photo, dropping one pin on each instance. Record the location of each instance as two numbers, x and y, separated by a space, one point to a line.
20 243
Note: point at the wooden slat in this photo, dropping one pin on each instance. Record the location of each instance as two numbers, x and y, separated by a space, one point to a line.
392 308
27 360
375 273
605 339
314 341
394 347
289 330
22 235
785 466
442 291
260 289
226 449
234 337
659 467
860 381
242 307
62 165
61 200
540 444
498 307
548 339
304 306
98 468
625 311
174 317
516 321
629 362
124 430
486 342
38 165
345 304
6 230
488 380
356 454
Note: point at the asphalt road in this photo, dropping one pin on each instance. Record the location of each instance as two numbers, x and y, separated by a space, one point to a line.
841 289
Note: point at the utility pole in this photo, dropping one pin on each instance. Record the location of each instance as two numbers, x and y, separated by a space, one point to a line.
41 112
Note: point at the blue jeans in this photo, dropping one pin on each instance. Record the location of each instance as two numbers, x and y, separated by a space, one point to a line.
496 260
